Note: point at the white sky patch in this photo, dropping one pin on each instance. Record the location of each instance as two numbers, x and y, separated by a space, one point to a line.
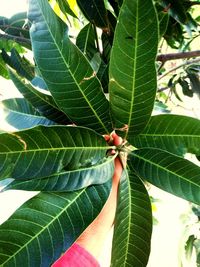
11 7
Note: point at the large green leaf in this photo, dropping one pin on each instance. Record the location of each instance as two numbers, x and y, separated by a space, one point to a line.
94 11
45 226
41 100
168 172
68 180
133 225
42 151
132 67
86 41
21 115
174 133
68 74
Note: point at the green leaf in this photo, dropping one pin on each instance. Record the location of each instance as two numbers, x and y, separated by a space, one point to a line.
45 226
94 11
68 74
22 66
65 8
185 87
195 82
86 41
3 69
107 46
16 25
115 6
68 180
42 151
132 67
174 34
174 133
8 44
41 100
133 224
189 245
21 115
163 18
169 172
176 9
160 107
103 75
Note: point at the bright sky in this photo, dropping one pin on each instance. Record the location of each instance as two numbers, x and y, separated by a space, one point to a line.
10 7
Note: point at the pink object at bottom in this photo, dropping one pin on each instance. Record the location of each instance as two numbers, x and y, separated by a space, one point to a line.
76 256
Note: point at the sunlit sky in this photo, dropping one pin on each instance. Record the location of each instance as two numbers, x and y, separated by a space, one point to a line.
10 7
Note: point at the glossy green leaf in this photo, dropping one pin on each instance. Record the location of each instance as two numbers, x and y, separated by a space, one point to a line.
68 180
21 115
133 224
68 74
42 151
22 66
45 226
94 11
169 172
40 99
86 41
132 67
174 133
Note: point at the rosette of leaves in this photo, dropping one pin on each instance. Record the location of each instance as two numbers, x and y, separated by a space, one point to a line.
62 153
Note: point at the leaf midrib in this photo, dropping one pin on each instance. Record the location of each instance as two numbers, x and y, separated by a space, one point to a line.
134 67
169 135
88 102
38 94
129 219
86 42
34 91
168 171
54 149
81 169
25 114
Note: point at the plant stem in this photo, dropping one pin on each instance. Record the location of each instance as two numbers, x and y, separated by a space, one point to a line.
21 40
179 66
173 56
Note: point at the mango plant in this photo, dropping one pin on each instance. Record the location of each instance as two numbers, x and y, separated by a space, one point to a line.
59 148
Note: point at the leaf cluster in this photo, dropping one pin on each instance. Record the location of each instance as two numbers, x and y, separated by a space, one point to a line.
77 93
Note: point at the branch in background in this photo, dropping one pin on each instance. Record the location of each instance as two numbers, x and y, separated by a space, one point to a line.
194 3
18 39
165 57
179 66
